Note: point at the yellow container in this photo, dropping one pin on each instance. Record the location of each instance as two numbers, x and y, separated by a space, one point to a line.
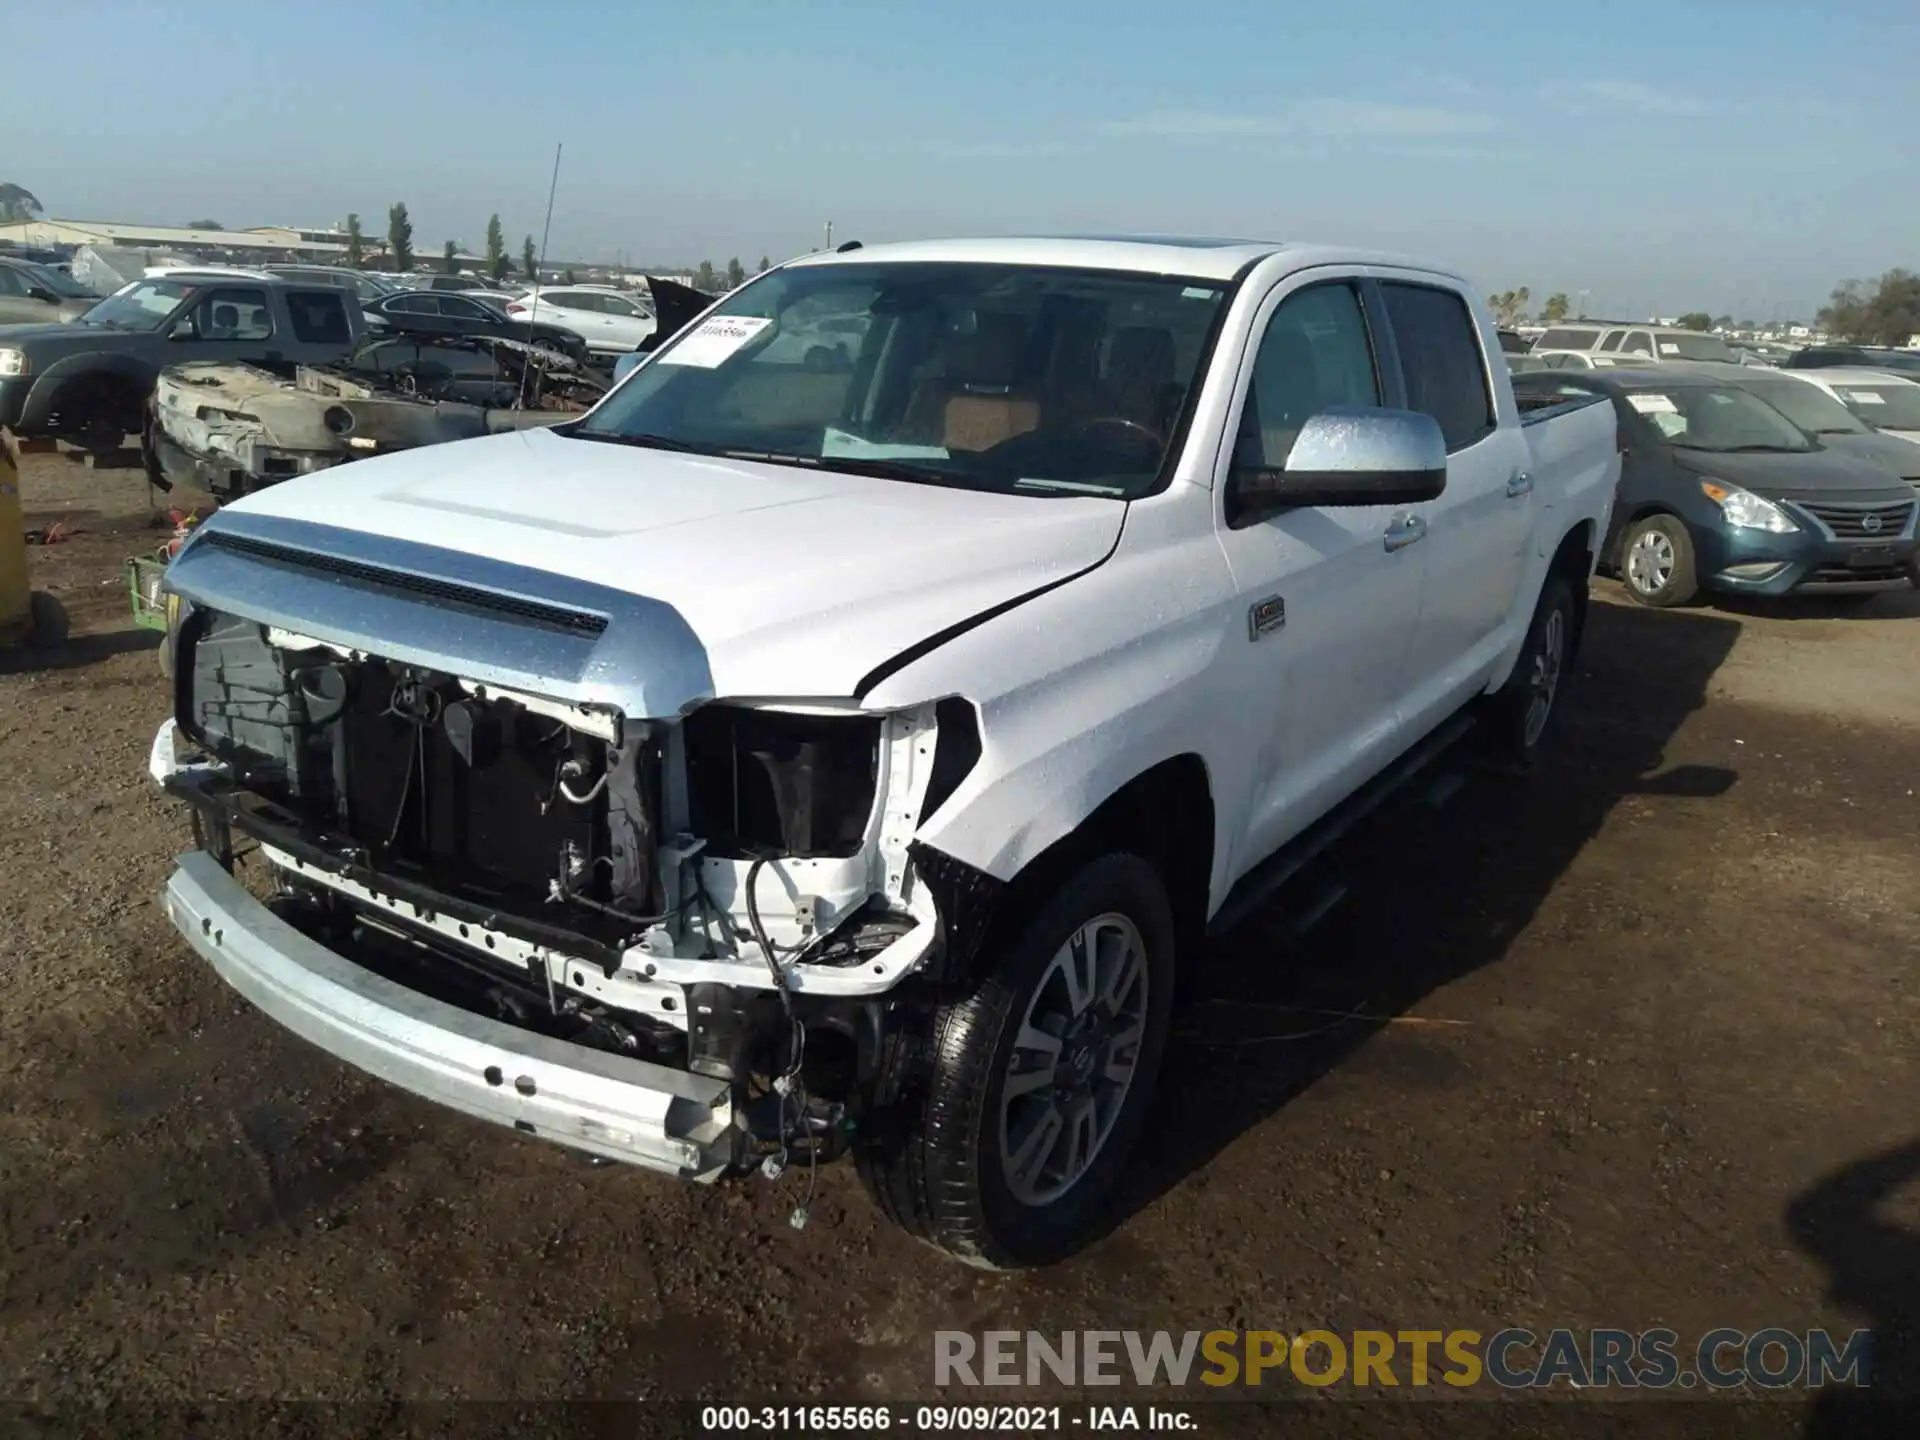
26 615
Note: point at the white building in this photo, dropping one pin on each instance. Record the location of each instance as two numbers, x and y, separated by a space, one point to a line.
263 243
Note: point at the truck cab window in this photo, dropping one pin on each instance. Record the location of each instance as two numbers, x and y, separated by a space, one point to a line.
1440 359
231 314
319 317
1315 354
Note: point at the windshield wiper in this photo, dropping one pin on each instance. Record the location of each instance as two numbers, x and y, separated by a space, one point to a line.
644 442
852 465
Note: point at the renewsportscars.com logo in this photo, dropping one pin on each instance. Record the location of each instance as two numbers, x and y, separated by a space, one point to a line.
1512 1359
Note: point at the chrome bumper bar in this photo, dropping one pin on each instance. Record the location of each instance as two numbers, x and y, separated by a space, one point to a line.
613 1106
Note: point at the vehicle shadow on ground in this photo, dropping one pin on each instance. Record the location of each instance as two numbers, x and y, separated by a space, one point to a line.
1873 1267
76 651
1434 893
1888 605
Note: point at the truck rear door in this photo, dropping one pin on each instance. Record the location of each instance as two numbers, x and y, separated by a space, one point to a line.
1479 529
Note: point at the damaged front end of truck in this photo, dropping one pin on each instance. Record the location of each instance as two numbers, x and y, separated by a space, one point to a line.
517 856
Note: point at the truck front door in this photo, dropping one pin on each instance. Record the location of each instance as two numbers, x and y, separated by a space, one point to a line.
223 322
1331 595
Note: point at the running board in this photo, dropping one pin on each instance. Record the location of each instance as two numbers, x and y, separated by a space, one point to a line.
1258 884
1310 916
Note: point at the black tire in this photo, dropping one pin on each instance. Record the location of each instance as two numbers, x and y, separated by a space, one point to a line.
1521 716
930 1146
1667 538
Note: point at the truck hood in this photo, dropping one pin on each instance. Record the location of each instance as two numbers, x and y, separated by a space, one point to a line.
1828 474
66 337
791 582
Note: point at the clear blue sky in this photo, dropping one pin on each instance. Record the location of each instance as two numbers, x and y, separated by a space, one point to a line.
1660 156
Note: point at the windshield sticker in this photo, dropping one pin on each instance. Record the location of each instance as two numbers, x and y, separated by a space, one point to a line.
838 444
1198 292
1653 404
1866 397
1668 347
713 340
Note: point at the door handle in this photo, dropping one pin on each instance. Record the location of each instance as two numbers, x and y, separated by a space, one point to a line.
1403 530
1520 483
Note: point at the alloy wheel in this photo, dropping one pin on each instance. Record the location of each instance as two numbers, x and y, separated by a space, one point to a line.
1073 1060
1543 681
1650 562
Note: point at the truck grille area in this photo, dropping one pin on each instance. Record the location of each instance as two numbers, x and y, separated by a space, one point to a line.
438 783
413 776
1862 522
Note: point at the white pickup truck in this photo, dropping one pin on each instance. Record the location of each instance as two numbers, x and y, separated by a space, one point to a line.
795 756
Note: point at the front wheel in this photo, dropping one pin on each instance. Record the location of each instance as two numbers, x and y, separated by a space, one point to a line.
1657 562
999 1131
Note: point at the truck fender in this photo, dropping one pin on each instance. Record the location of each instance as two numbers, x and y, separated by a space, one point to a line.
1027 793
1574 555
40 400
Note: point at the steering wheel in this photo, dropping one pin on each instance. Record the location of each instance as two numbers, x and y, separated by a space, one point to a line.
1121 422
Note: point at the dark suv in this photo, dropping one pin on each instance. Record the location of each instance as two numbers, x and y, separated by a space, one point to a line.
87 381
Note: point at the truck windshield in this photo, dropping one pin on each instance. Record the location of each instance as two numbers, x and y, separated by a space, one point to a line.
65 286
1018 378
144 305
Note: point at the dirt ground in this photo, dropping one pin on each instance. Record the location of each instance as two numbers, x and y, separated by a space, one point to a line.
1646 1055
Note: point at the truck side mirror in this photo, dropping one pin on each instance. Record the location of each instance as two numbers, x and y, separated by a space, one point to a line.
1347 455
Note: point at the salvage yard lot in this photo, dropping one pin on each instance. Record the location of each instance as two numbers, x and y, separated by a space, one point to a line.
1645 1040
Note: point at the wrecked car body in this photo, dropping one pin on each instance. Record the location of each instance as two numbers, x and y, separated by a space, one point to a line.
232 428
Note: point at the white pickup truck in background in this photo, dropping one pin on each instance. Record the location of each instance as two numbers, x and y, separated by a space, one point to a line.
802 753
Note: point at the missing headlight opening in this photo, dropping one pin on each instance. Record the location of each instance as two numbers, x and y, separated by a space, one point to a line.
578 873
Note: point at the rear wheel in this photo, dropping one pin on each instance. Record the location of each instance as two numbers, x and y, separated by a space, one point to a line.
1521 714
1657 562
1002 1125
